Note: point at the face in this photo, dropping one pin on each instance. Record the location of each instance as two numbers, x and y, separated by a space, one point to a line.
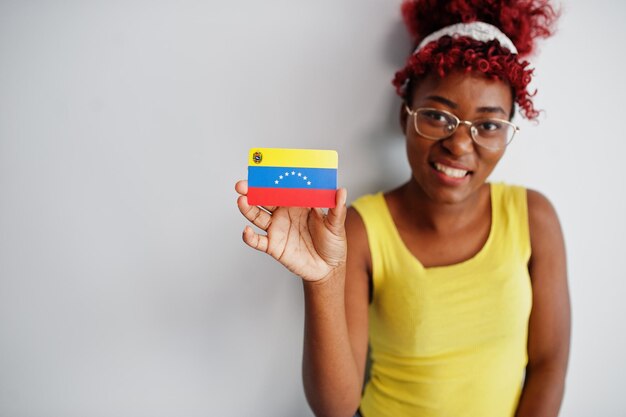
452 169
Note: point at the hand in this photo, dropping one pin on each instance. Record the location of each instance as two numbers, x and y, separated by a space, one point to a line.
308 242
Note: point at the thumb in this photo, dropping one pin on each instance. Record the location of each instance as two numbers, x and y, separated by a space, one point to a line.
337 216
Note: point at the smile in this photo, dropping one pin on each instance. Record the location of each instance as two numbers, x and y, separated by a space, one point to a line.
450 172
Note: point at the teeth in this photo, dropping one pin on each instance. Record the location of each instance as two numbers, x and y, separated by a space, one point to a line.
451 172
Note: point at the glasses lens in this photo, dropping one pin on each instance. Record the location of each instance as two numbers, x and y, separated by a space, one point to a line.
493 133
434 124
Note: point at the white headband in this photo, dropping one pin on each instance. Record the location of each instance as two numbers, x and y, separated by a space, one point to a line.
479 31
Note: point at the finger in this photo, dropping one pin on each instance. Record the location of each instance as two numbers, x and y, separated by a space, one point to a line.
242 187
254 214
337 216
318 212
255 240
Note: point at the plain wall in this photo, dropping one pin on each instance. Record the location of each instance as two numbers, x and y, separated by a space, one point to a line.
125 288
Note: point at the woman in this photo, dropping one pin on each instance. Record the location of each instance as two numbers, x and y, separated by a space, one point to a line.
458 285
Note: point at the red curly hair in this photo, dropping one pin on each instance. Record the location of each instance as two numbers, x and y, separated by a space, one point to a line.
522 21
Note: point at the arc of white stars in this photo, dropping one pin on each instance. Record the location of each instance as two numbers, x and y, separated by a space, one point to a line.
293 173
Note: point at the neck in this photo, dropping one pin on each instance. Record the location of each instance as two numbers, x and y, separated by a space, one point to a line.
436 216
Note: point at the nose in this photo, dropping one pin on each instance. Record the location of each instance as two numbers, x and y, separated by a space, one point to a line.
460 142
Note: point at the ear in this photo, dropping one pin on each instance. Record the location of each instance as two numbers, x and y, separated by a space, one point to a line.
404 116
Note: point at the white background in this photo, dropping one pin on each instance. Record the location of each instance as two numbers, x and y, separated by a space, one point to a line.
125 289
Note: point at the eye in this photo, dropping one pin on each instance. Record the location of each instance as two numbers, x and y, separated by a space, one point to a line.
436 116
436 119
489 125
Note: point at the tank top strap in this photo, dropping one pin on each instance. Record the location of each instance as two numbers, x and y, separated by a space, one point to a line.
386 245
510 212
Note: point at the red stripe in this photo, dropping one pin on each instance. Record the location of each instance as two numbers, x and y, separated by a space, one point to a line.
291 197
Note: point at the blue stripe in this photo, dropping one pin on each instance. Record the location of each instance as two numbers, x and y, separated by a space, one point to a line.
286 177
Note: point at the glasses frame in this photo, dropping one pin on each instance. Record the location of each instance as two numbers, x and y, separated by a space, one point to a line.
469 123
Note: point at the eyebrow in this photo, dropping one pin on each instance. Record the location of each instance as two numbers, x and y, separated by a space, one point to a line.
489 109
443 100
453 105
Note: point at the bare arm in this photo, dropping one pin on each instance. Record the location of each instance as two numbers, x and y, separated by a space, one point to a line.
315 247
335 337
549 326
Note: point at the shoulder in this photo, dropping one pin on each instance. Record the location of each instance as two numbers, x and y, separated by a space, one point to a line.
541 212
546 238
354 223
358 243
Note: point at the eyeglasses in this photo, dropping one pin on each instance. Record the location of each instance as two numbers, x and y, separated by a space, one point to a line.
435 124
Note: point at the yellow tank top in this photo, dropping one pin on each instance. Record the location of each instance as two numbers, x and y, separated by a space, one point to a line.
448 341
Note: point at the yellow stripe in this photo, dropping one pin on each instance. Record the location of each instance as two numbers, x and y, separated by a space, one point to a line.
297 158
